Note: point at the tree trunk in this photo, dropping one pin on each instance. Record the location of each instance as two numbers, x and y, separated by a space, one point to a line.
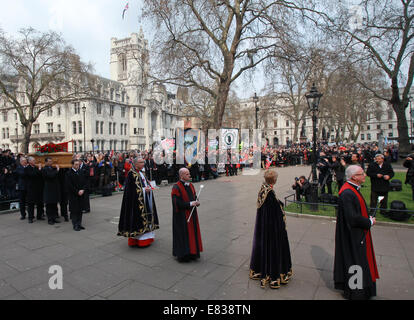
223 93
27 135
403 139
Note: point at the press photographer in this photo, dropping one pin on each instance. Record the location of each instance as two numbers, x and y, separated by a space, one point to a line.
302 188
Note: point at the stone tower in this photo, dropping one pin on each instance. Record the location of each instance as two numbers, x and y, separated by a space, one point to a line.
130 64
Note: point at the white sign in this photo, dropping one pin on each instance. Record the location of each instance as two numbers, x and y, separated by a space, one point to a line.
230 138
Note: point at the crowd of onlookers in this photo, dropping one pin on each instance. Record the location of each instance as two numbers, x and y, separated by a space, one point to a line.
106 172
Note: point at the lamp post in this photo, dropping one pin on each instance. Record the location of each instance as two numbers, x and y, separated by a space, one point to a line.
313 98
17 137
84 128
410 99
92 142
256 99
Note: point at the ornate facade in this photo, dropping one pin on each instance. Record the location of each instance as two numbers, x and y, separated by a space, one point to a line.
126 114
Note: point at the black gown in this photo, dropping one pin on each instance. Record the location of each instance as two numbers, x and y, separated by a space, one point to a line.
271 252
136 218
351 239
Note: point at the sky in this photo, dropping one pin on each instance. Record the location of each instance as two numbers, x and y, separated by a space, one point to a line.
88 26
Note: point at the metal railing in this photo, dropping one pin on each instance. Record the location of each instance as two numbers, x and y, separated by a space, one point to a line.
383 211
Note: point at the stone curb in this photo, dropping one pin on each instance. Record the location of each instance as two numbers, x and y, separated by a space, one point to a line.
379 223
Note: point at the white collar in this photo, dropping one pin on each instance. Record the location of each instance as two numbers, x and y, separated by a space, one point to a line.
355 185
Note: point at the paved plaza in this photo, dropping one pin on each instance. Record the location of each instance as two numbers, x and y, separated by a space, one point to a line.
97 264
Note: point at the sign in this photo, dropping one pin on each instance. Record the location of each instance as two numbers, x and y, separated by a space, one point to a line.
230 138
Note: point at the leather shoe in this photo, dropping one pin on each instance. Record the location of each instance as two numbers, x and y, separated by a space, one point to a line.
77 228
22 218
41 219
82 227
56 221
51 222
30 220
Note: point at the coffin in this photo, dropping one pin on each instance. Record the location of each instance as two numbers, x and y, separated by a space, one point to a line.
62 159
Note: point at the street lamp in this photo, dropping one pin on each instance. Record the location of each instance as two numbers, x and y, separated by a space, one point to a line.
84 128
313 98
92 142
410 99
256 99
17 137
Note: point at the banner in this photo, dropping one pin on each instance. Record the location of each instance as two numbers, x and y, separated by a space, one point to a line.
230 138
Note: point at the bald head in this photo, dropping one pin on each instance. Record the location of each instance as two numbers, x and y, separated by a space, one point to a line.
184 174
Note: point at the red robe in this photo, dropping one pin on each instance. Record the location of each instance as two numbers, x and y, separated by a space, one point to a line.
186 235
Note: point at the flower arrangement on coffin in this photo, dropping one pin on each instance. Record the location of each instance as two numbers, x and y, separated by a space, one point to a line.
50 148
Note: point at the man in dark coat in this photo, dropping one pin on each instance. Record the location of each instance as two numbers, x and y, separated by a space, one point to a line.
187 243
63 201
325 175
355 268
380 173
138 219
21 186
51 190
34 186
409 177
75 187
338 166
84 170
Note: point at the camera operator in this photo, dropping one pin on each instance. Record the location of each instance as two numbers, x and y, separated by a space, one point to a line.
325 175
338 166
302 188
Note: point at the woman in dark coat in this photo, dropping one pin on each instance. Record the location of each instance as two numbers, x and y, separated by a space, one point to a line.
270 262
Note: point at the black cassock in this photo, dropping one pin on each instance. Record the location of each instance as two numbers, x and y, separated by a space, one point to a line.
353 246
271 252
136 216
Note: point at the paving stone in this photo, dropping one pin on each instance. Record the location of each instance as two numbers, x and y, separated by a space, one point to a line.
43 292
92 280
6 290
141 291
27 262
36 243
120 267
27 279
86 258
196 287
6 271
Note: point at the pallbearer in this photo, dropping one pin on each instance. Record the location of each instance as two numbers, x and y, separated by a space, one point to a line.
138 218
270 262
187 243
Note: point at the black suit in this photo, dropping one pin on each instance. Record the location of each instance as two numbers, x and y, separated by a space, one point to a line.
74 183
34 190
51 192
84 171
21 188
379 186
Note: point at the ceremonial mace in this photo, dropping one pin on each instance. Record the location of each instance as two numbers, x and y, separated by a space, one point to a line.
201 187
380 198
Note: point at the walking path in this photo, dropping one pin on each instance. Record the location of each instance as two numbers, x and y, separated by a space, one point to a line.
97 264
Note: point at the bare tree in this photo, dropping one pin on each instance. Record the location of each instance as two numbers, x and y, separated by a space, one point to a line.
382 32
209 44
39 71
